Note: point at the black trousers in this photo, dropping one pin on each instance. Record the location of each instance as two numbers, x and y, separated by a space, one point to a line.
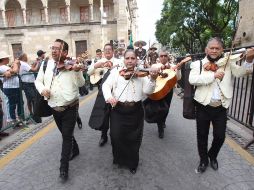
106 120
168 99
65 122
218 117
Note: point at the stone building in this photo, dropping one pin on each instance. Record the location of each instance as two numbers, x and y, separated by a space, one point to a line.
245 33
30 25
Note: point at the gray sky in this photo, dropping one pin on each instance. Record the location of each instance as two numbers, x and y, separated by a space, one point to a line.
149 12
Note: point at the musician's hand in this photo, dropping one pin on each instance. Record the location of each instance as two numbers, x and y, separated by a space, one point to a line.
108 64
112 101
219 75
98 65
77 67
250 55
46 93
7 74
174 68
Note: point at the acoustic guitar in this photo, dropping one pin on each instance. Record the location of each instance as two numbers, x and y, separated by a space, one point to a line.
165 84
97 75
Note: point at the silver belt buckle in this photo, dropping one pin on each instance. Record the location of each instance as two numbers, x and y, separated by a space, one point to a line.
59 108
215 103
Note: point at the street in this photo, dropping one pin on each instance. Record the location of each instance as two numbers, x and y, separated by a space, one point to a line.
165 164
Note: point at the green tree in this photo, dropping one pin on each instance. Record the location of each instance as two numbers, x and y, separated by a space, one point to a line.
188 24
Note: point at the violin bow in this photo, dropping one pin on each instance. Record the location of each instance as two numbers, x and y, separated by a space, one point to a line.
136 69
233 43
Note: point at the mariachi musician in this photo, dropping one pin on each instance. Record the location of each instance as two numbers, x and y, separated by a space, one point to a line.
213 95
125 93
160 119
140 51
60 86
99 118
152 55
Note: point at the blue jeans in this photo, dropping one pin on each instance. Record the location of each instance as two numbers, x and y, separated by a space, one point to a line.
13 95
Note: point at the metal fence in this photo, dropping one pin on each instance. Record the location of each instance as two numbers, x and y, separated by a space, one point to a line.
19 108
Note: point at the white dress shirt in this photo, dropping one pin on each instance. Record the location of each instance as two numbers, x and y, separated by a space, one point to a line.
26 76
12 82
135 91
116 62
63 87
209 89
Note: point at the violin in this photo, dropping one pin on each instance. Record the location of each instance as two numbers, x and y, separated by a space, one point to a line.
130 72
67 63
211 67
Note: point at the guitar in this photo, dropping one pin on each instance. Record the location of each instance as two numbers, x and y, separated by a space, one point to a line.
97 76
165 84
99 72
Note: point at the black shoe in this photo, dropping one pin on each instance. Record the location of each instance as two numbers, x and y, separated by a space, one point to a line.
161 133
201 167
103 141
63 175
37 119
133 170
74 154
4 134
214 164
79 124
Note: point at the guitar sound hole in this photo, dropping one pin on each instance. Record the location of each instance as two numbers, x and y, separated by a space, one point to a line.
101 73
164 75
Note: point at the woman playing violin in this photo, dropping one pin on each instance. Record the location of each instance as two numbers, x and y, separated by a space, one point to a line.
127 115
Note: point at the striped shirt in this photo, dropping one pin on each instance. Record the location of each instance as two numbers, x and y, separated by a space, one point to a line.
12 82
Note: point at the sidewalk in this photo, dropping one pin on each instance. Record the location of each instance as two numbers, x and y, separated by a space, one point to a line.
165 164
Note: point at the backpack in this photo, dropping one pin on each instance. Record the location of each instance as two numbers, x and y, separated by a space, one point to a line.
41 107
189 107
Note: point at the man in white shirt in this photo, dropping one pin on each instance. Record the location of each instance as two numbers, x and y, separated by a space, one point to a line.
28 78
213 95
60 87
99 118
165 64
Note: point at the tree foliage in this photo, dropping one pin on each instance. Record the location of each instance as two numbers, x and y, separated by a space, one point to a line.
186 25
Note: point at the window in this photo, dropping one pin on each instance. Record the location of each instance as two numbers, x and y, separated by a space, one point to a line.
16 49
106 11
43 17
63 14
84 14
10 17
28 15
81 47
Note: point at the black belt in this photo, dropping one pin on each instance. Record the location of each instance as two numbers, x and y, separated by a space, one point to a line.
62 108
128 104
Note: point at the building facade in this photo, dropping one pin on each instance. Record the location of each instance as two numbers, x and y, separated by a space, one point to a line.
86 25
245 33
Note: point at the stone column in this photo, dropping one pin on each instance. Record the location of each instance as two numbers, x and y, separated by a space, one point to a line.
46 15
91 9
4 18
102 28
68 13
24 16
